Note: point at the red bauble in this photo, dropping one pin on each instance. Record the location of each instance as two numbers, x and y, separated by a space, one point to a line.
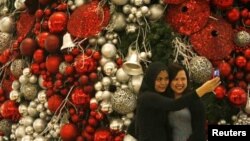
174 1
247 67
78 97
90 129
237 96
54 103
41 39
68 132
220 92
39 56
28 46
90 19
84 64
57 22
52 63
247 53
84 79
242 84
93 76
233 15
225 68
102 135
240 61
44 2
223 4
97 55
9 110
52 43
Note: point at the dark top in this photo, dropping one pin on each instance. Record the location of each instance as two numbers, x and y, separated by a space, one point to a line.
151 117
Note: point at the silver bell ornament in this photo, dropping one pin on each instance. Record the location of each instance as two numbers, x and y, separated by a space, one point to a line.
5 39
67 42
5 127
201 69
135 83
109 50
7 24
17 67
110 68
122 76
242 38
132 64
123 101
29 91
119 2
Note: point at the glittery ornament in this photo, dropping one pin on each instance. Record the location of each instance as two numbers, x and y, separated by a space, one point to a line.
215 41
84 64
57 22
123 101
5 127
200 68
188 17
242 38
17 67
91 18
25 23
79 97
174 1
237 96
5 39
29 91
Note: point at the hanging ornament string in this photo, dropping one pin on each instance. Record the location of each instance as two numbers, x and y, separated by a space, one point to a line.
56 117
184 49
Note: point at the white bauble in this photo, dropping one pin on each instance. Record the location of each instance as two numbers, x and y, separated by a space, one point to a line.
7 24
104 60
23 109
23 79
20 5
79 2
98 95
108 50
106 107
14 95
32 111
29 130
106 81
156 11
26 71
131 28
42 98
119 2
126 9
39 125
122 76
106 95
110 68
32 79
98 86
27 121
20 132
27 138
138 2
15 85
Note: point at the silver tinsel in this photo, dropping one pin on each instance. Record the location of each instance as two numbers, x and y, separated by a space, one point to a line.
242 38
123 101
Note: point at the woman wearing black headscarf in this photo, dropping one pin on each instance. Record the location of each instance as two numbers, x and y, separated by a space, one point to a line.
152 104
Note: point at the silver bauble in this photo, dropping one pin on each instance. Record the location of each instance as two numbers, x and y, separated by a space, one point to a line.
20 132
138 2
104 60
110 68
106 81
5 39
23 109
156 11
32 111
118 21
201 69
39 125
26 71
106 107
23 79
123 101
42 98
7 24
98 95
33 79
14 95
128 137
101 40
5 127
242 38
40 82
27 138
29 130
40 138
17 67
20 5
119 2
98 86
116 125
29 91
27 121
135 83
15 85
108 50
122 76
126 9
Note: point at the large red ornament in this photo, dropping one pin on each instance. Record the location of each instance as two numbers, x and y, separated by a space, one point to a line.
78 97
85 64
241 61
215 41
9 110
225 68
52 63
57 22
24 24
188 17
220 92
237 96
54 103
90 19
41 39
68 132
102 135
28 46
52 43
174 1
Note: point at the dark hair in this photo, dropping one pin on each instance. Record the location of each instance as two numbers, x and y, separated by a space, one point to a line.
173 70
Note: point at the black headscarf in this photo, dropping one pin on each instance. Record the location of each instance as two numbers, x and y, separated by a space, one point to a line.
148 83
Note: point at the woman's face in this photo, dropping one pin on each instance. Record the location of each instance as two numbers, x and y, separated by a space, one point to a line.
179 83
161 82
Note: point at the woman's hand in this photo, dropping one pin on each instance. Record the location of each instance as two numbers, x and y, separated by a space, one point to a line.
208 86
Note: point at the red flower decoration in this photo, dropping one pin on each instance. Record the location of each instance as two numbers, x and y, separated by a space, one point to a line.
188 17
90 19
215 41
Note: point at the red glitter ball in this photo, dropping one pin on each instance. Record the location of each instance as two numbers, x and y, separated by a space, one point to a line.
90 19
188 17
25 23
215 41
174 1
